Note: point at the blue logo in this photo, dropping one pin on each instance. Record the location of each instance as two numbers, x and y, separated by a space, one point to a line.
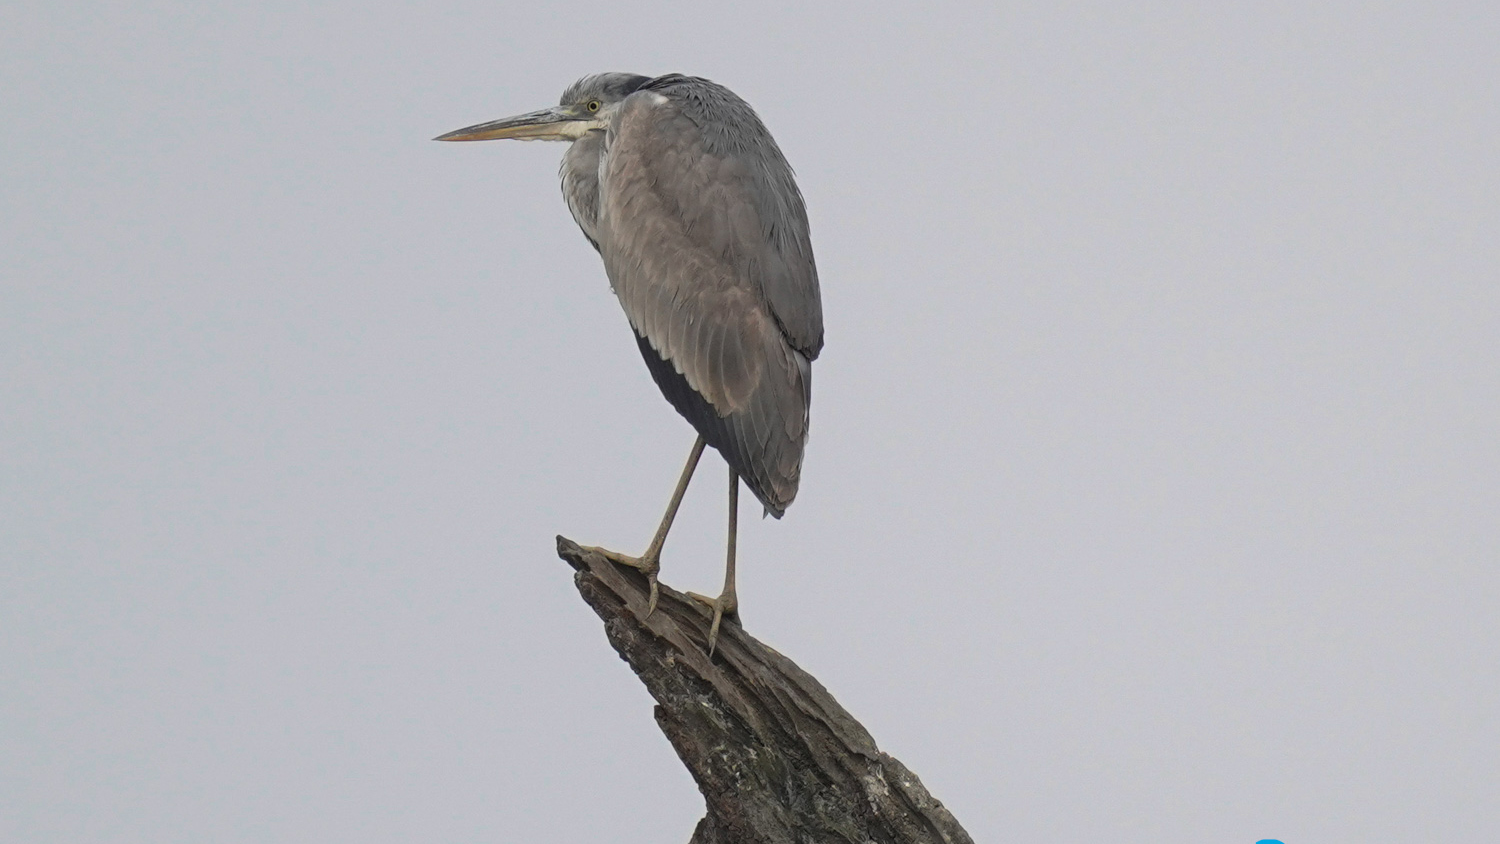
1268 841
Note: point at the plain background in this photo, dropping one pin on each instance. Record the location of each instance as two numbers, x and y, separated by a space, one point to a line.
1154 486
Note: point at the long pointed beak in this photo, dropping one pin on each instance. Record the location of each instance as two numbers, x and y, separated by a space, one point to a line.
549 124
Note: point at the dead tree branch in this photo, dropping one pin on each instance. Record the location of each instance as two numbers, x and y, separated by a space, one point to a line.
776 757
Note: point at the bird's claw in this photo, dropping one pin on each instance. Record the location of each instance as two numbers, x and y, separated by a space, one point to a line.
725 604
648 565
651 601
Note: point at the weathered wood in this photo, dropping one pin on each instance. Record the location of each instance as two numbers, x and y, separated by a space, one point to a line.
776 757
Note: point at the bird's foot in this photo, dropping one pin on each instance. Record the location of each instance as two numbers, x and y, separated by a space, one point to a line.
725 604
648 564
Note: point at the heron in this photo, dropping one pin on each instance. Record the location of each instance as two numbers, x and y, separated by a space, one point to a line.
692 206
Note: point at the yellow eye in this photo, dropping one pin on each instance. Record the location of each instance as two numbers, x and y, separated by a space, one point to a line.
593 105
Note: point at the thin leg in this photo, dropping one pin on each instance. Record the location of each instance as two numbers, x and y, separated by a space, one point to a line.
649 563
726 603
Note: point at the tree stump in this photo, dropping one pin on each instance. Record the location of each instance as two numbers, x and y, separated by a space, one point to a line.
776 757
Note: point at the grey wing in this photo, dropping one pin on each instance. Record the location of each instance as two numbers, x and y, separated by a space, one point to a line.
689 253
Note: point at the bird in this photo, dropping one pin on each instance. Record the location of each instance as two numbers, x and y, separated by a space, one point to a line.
703 232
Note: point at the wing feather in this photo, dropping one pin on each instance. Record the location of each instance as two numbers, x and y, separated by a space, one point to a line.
713 288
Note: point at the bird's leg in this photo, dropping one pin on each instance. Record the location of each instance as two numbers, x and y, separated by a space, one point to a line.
726 603
649 563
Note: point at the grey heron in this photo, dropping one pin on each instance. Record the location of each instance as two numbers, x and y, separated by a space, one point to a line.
678 185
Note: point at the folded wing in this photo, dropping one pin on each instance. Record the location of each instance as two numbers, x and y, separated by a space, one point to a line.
708 253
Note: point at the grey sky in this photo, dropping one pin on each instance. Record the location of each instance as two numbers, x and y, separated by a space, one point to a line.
1153 486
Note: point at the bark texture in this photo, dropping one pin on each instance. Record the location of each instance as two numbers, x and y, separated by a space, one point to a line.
776 757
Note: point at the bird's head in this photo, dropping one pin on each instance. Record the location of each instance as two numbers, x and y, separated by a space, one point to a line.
588 105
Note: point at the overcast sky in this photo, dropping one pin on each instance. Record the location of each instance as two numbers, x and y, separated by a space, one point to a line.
1153 492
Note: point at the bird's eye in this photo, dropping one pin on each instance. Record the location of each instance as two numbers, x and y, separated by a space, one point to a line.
593 105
